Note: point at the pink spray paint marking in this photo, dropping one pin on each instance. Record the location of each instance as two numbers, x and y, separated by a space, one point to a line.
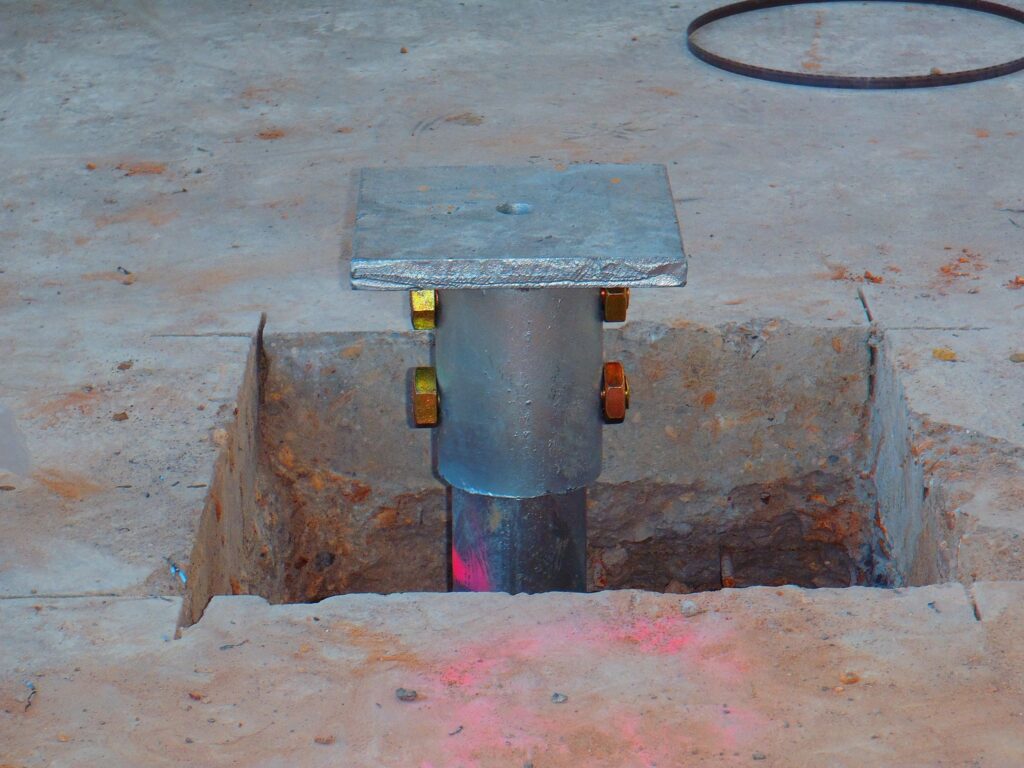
661 635
471 573
473 673
709 648
490 685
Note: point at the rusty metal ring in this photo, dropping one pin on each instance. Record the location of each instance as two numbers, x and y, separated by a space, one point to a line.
852 81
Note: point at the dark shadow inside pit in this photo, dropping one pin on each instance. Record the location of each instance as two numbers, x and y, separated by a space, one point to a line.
756 453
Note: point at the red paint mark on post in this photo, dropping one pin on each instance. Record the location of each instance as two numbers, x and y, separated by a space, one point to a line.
471 573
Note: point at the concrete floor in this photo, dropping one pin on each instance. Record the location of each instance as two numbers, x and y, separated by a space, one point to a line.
171 171
762 676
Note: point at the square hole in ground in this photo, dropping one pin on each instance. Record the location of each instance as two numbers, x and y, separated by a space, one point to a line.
756 453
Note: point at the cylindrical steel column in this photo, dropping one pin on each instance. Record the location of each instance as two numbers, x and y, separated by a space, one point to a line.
519 372
519 438
519 545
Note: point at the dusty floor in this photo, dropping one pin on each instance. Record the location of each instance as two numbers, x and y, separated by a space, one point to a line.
788 676
171 171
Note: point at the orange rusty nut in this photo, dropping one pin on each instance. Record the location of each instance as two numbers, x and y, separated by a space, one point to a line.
614 392
423 308
426 401
614 303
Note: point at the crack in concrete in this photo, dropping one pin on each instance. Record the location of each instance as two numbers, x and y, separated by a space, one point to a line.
59 596
211 334
974 603
863 298
938 328
975 609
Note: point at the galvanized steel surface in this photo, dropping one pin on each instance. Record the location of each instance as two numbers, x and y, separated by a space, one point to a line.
519 545
519 373
494 226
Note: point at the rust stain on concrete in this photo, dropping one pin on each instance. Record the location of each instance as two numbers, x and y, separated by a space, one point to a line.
67 485
141 168
155 213
82 400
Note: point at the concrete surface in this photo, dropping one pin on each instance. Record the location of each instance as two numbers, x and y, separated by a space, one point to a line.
172 170
783 677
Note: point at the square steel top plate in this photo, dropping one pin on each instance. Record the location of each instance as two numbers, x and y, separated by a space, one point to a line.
501 227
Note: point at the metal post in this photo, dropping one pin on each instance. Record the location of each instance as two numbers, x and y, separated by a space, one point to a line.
519 435
520 373
502 544
515 269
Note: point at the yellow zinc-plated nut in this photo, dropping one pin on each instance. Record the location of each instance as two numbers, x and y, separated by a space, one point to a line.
614 303
426 402
423 307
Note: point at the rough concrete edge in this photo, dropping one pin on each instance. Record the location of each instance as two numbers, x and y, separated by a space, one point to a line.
994 599
984 552
891 469
617 599
855 339
891 461
966 548
922 544
224 504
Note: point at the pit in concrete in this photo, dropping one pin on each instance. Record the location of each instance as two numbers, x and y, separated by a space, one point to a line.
761 453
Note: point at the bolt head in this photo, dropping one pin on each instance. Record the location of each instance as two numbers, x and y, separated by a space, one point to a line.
423 309
426 401
614 392
614 303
